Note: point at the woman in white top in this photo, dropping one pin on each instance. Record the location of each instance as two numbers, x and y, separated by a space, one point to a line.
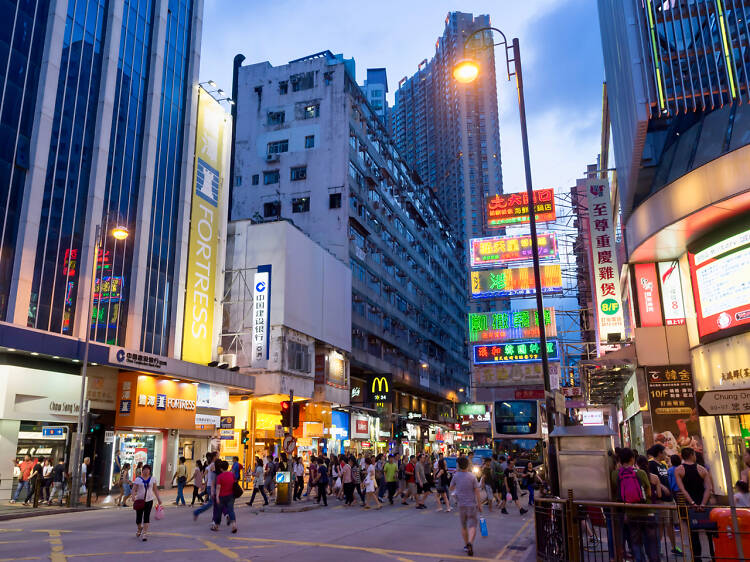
370 482
47 478
144 491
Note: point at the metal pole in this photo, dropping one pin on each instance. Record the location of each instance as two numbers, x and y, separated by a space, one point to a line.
730 486
78 449
535 258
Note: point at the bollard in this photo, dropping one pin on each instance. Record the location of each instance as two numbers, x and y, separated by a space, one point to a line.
89 481
574 540
36 489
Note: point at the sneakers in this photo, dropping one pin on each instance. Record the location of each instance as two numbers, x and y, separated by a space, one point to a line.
677 551
523 511
469 549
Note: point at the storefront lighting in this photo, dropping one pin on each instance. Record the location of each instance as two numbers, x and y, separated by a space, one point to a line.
76 360
34 353
95 364
11 349
175 380
55 357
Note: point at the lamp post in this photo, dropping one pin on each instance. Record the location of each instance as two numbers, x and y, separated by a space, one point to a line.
118 233
466 71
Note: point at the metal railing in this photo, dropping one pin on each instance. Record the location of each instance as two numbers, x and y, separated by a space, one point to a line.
569 530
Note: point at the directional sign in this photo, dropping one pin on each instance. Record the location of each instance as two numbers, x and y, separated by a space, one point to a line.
723 402
54 431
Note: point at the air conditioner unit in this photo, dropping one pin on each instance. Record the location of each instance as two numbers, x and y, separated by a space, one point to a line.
228 358
272 157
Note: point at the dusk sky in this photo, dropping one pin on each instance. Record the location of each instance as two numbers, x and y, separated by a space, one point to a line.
560 48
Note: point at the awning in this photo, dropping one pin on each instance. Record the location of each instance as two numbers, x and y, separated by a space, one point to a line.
604 379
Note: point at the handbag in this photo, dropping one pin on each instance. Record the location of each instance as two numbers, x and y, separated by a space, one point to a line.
237 490
159 513
139 504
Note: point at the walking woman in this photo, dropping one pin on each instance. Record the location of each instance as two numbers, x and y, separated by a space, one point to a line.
224 497
442 481
370 485
124 485
258 482
144 492
197 479
357 479
530 480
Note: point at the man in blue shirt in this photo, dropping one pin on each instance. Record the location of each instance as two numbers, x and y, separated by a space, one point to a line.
236 468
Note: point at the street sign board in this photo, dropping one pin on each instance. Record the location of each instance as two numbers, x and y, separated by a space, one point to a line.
109 436
723 402
53 431
289 444
227 422
279 431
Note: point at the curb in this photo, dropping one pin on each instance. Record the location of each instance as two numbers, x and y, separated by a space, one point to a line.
40 513
284 509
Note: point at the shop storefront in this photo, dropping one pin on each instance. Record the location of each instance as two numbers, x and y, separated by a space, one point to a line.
360 431
632 428
150 414
338 433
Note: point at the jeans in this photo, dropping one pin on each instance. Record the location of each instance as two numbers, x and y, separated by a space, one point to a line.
224 504
259 488
180 488
382 488
322 493
57 487
21 485
299 485
206 506
644 539
531 495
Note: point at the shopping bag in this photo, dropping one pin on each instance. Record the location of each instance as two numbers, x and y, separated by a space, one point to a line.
483 526
159 513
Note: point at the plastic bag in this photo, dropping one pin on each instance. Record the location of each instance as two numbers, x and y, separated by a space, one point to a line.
159 513
483 526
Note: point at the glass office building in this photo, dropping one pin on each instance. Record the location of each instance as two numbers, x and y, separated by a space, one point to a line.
97 99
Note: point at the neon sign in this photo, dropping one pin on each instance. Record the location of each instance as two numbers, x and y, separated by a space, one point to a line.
493 283
498 250
108 289
529 351
510 325
513 208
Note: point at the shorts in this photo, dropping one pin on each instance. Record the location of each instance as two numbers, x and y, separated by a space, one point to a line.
412 488
421 489
440 489
468 516
513 493
125 489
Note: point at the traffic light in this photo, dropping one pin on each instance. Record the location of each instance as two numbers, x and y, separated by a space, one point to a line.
245 436
285 413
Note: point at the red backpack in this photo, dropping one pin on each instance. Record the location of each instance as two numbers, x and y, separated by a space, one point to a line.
630 487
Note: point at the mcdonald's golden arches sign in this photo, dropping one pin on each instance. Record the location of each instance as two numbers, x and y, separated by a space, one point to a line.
381 389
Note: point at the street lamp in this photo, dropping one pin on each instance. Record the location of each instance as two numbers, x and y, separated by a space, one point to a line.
121 233
466 71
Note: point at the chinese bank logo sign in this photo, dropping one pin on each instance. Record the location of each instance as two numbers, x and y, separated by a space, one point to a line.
120 355
207 183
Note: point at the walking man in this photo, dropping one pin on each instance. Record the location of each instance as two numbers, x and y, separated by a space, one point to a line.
25 467
466 489
421 479
391 477
58 482
210 485
180 474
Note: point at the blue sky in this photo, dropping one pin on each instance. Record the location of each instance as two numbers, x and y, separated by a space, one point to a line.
560 48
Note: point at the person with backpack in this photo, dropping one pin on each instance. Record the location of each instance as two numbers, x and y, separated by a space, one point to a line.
633 487
144 492
661 491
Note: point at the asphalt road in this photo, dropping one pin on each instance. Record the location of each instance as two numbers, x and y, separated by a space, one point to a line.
393 533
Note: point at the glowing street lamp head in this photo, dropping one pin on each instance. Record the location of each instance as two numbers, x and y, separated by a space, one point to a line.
120 233
466 71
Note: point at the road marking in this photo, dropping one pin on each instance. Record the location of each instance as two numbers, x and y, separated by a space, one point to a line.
57 554
24 558
223 550
372 550
513 538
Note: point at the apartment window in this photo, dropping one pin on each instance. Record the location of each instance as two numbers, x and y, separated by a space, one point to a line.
334 201
311 111
271 209
277 147
301 205
256 179
283 87
302 81
310 141
298 356
275 117
298 173
271 177
238 180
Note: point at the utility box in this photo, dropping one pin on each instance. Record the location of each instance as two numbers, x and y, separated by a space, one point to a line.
585 461
283 488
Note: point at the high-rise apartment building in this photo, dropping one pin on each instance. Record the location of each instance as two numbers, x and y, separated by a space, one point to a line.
678 83
99 114
449 132
311 149
376 89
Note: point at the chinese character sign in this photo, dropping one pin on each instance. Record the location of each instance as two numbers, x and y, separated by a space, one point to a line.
510 325
671 292
261 313
529 351
513 208
673 410
647 289
604 260
498 250
515 281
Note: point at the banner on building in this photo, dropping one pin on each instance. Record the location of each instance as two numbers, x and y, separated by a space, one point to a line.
513 208
261 316
647 289
510 325
514 282
205 226
610 321
511 374
529 351
674 415
671 293
499 250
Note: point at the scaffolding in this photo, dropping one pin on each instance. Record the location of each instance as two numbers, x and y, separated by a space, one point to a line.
237 315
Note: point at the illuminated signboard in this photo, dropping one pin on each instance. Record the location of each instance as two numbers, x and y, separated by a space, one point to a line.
609 318
510 325
108 289
498 250
513 208
516 281
721 284
647 289
514 352
671 293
